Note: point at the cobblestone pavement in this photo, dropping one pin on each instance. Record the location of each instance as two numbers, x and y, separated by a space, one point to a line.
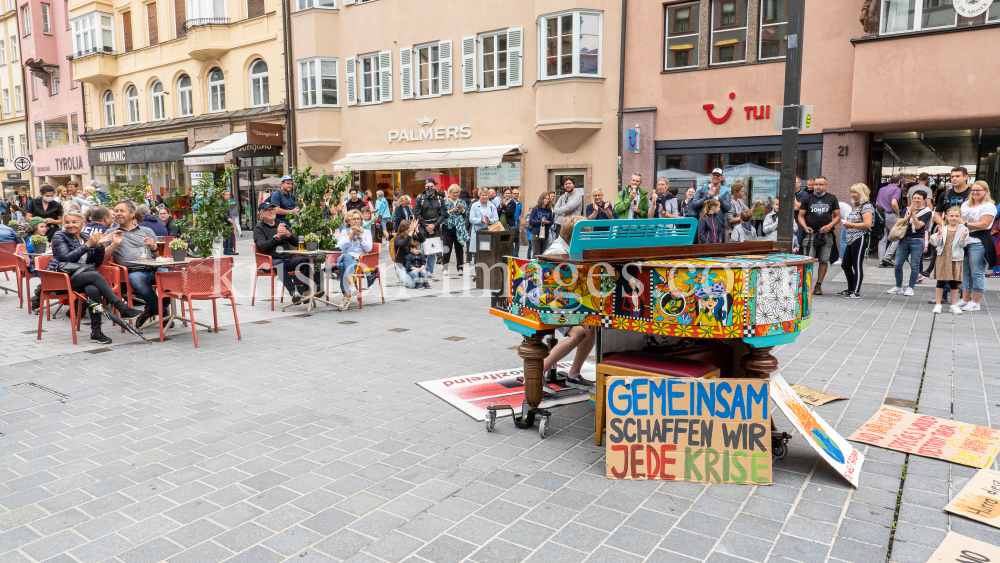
310 441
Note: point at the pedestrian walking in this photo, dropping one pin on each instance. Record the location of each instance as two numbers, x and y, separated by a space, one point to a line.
950 241
818 214
858 225
916 218
978 213
888 200
570 203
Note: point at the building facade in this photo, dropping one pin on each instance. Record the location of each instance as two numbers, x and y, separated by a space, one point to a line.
55 105
13 132
515 93
899 93
164 79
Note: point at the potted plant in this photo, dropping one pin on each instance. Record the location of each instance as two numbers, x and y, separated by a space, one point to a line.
211 214
312 241
178 249
313 217
13 224
39 244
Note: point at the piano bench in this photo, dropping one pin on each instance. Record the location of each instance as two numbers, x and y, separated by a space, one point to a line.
642 364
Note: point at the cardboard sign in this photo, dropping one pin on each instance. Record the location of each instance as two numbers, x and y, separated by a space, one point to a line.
815 397
681 429
979 499
929 436
957 548
844 458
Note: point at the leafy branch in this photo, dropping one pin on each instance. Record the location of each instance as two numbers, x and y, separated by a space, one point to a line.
311 218
211 220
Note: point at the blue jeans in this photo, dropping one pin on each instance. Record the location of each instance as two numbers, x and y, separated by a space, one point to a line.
974 267
431 260
517 240
288 272
912 248
529 244
345 268
403 277
142 283
800 233
418 277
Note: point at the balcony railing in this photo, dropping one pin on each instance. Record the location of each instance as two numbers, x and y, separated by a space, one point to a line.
204 21
101 50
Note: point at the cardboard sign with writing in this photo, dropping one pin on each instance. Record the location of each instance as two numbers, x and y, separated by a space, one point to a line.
816 397
979 499
844 458
957 548
929 436
681 429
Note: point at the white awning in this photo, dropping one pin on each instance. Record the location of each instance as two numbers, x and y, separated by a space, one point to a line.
215 153
470 157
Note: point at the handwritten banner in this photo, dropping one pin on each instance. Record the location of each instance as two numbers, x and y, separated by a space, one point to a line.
929 436
979 499
697 430
957 548
815 397
844 458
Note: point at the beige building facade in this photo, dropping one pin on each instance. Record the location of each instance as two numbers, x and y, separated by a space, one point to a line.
499 93
13 132
162 79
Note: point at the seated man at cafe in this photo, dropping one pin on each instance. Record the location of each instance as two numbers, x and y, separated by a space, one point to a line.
99 220
268 235
130 243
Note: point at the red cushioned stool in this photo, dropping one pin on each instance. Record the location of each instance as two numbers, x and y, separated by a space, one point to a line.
642 364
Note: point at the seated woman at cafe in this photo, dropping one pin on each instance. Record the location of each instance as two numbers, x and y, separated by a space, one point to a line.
79 258
354 242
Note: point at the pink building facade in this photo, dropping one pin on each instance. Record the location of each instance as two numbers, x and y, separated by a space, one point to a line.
55 102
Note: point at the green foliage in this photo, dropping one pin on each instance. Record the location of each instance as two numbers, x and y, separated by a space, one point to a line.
311 218
211 219
178 244
311 237
137 194
38 240
13 224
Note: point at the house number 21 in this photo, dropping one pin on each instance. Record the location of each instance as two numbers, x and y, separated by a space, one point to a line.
842 150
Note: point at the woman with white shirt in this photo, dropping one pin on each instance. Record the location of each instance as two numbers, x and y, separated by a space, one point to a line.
354 242
977 214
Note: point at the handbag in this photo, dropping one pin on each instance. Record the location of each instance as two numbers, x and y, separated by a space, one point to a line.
898 232
74 268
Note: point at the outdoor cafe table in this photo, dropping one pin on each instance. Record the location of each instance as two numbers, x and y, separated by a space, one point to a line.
312 255
172 265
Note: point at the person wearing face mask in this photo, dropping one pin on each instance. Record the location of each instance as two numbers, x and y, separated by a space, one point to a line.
48 208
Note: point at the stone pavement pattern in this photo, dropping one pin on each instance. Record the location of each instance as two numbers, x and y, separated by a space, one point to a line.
310 441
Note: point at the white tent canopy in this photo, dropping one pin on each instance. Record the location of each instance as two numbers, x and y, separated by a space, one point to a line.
215 153
470 157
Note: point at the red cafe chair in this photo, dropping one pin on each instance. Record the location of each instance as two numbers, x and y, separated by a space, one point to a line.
56 286
9 263
368 262
265 268
206 279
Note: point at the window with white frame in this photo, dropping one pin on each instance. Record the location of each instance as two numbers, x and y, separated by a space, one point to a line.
428 71
24 145
318 83
18 100
216 91
306 4
132 104
156 98
202 9
571 44
3 52
6 100
773 29
53 86
493 60
46 19
10 5
683 25
109 109
912 15
26 19
370 79
1 149
93 32
729 31
259 95
10 143
184 97
13 47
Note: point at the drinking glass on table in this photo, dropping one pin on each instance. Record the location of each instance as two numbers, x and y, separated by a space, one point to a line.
160 240
143 253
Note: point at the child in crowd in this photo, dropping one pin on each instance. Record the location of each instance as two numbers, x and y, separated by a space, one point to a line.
770 227
712 225
744 231
950 241
416 266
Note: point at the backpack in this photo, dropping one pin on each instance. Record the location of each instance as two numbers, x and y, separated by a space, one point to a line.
878 223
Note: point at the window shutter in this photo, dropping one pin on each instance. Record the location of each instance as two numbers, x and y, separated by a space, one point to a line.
350 69
180 17
154 36
127 30
255 8
515 48
385 69
445 58
469 78
406 73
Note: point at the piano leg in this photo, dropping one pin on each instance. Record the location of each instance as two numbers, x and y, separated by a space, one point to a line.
533 351
758 363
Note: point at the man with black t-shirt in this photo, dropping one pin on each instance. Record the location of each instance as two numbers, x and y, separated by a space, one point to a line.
952 197
818 214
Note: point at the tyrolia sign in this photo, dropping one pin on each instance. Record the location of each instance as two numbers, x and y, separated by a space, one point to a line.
428 133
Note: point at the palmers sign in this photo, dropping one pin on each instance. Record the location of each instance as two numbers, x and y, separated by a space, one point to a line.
431 133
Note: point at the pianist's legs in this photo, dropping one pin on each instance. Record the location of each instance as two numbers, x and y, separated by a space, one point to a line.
579 337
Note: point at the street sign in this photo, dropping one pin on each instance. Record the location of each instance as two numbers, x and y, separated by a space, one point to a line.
22 163
632 139
805 118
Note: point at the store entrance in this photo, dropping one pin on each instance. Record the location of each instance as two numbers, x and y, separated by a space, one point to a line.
258 176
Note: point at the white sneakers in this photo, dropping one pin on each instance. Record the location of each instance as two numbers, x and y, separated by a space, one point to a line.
895 291
908 292
937 309
971 306
955 310
961 303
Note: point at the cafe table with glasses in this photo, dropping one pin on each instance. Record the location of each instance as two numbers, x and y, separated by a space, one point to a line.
172 265
313 256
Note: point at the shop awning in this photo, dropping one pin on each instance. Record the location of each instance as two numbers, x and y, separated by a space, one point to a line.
215 153
471 157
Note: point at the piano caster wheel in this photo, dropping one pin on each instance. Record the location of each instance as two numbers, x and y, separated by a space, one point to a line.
491 420
779 447
543 427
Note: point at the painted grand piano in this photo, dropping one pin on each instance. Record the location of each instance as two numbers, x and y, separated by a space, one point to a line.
646 276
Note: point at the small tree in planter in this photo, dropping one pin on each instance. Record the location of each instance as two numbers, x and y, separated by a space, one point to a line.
39 243
310 219
178 249
211 213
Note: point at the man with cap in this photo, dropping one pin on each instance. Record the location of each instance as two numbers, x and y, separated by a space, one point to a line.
284 201
429 210
268 236
713 190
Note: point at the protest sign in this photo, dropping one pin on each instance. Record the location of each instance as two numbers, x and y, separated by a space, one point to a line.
815 397
686 429
831 446
929 436
957 548
979 499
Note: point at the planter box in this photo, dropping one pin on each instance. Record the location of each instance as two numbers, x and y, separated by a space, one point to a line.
178 254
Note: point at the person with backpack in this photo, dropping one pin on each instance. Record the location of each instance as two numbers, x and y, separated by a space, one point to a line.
858 225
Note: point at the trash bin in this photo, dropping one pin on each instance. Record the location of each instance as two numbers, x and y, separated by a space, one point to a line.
492 249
